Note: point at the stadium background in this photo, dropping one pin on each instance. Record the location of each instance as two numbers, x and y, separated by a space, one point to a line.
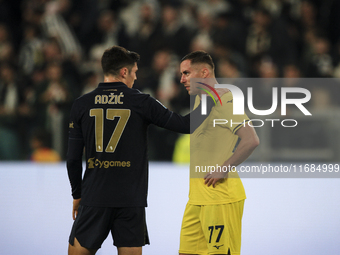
49 55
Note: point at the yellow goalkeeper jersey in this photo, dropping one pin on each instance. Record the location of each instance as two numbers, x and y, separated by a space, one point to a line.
212 143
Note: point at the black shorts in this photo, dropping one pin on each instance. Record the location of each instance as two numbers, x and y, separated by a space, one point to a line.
93 224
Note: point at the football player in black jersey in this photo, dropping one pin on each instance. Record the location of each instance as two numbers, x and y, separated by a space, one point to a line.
111 124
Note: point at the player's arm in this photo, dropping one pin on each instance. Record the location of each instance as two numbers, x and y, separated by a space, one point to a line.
74 170
183 124
249 141
74 159
190 122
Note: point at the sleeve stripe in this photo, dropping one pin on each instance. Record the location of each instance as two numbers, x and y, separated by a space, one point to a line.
168 119
239 126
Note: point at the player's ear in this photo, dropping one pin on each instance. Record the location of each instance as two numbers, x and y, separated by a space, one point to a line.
123 72
205 72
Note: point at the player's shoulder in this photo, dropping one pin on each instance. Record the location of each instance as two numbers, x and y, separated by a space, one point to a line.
197 101
224 103
227 97
81 100
140 97
138 93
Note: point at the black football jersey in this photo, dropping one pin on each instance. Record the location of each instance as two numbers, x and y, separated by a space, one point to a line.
111 124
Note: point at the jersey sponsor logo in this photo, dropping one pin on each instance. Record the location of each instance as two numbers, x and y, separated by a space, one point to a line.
109 99
93 162
218 246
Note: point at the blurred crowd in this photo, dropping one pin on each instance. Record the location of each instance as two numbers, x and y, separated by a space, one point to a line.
50 54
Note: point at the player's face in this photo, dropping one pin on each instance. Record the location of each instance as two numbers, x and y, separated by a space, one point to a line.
132 76
189 71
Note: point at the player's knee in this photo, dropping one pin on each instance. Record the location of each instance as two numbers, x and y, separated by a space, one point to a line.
129 250
77 249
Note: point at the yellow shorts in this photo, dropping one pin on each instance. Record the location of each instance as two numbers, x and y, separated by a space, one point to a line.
212 229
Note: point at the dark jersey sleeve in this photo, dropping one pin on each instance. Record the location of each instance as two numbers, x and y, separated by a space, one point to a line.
193 119
196 118
75 153
161 116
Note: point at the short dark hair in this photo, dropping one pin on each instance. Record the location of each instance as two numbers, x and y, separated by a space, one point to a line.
199 57
116 57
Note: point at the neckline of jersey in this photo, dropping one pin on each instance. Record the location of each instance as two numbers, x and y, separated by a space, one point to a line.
111 84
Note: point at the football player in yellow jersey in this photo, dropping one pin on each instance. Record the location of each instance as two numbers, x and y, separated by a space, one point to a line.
212 218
